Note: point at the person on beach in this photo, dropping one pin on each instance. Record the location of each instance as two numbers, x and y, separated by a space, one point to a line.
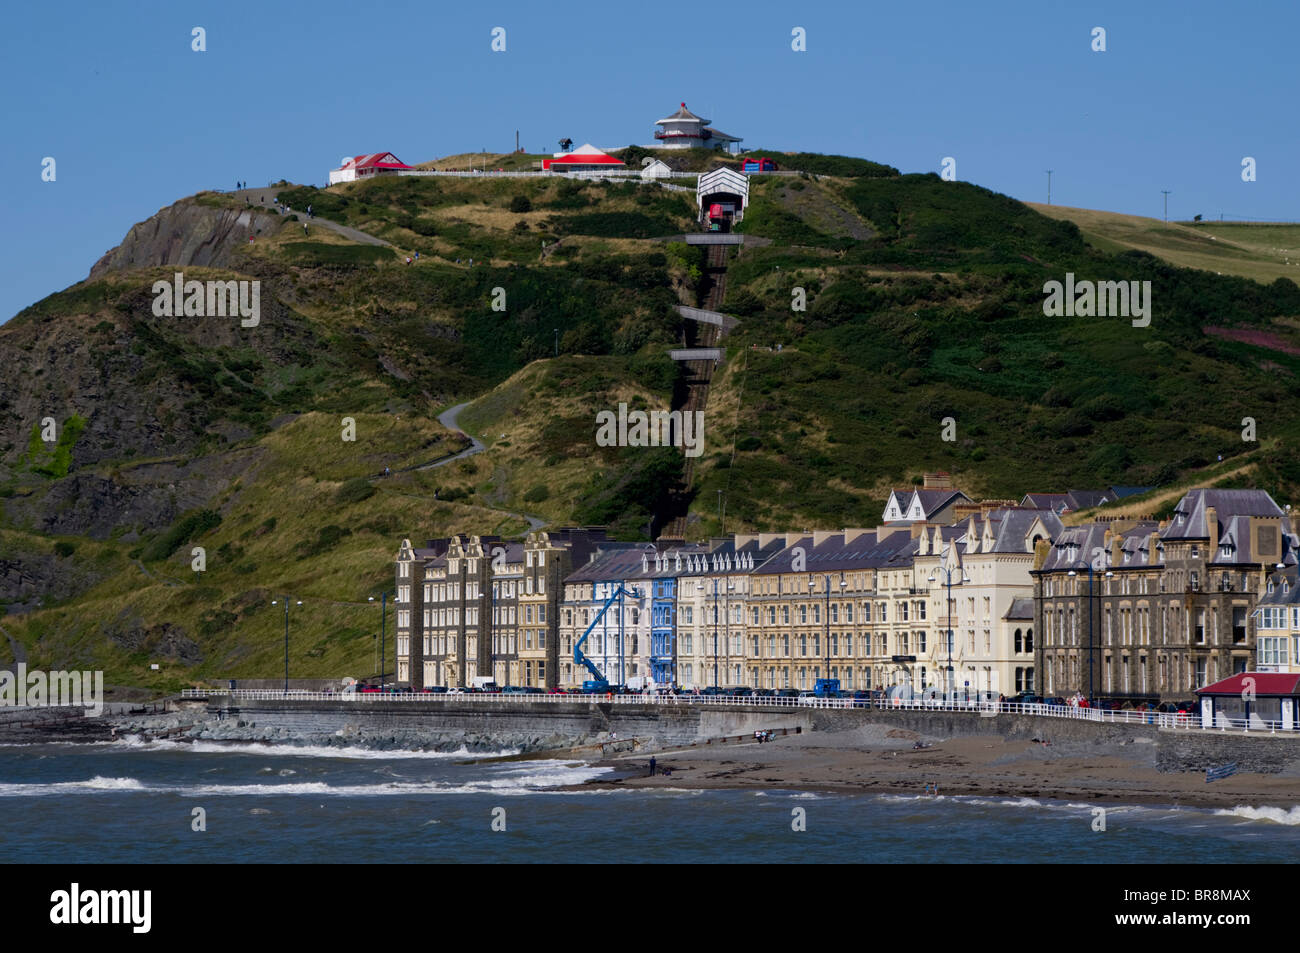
652 766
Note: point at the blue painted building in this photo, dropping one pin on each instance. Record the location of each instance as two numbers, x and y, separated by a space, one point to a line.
663 630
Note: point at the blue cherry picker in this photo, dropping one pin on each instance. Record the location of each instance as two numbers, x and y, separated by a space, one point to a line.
598 682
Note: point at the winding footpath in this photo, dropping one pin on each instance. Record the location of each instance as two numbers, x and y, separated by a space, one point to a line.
449 419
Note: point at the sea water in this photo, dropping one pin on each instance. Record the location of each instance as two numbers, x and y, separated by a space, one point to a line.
134 803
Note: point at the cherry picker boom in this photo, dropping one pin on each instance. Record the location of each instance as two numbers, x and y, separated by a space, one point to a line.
598 682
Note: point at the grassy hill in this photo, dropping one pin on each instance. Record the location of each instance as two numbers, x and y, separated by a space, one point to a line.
1261 251
923 303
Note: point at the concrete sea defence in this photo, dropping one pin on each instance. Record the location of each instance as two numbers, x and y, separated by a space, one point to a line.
485 725
449 726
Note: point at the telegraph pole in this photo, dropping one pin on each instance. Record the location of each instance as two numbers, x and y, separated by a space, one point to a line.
1049 186
1166 194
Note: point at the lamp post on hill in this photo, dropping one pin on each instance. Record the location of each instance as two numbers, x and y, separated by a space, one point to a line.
285 600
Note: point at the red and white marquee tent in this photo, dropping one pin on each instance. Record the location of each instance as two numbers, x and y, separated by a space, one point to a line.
583 159
359 167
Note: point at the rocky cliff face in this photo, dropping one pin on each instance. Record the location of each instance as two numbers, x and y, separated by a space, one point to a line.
187 233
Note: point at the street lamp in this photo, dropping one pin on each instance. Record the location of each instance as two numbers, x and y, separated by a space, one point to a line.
947 572
715 633
1091 624
383 634
827 580
275 602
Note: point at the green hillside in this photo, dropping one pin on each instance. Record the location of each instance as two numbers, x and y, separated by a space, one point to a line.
923 302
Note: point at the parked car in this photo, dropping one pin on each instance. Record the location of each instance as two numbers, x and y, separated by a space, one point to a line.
1025 698
1056 700
788 693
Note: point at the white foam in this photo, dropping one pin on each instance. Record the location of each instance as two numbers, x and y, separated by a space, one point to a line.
1276 815
316 751
538 777
96 785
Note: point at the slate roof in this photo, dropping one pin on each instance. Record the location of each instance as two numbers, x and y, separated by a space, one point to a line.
859 551
1011 528
1084 499
1022 607
1188 521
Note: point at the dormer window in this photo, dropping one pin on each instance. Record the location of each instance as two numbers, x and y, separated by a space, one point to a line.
1225 550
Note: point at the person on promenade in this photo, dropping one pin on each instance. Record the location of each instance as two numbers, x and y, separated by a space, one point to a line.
652 766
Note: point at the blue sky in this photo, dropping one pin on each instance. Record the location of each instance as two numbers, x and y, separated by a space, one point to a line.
136 120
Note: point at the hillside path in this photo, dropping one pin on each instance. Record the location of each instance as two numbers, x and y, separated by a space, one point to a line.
266 201
448 418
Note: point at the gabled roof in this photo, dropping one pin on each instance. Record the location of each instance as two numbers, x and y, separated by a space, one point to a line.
1189 520
1022 608
932 501
723 179
1011 529
1085 499
1286 591
375 160
586 154
1076 547
1056 502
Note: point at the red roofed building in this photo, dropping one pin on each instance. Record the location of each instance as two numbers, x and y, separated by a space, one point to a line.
586 158
1263 700
359 167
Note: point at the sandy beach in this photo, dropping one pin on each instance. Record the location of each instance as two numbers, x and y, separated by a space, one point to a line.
881 759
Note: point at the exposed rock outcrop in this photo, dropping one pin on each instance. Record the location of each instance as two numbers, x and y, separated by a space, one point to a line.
187 234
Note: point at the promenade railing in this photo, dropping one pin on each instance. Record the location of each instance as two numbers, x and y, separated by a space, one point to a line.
1159 719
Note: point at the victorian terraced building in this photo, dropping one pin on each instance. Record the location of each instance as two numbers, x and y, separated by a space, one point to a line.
1143 610
993 597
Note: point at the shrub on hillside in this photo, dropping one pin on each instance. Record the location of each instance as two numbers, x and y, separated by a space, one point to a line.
191 526
354 491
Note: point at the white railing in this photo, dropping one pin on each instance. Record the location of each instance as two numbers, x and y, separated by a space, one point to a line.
538 173
984 709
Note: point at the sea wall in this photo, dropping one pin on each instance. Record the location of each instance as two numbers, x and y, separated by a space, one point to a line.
452 724
487 724
1169 749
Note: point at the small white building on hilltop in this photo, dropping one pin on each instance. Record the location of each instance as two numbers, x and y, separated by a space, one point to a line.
360 167
685 130
655 169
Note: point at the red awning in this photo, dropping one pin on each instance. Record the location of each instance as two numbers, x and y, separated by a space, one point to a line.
1263 683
